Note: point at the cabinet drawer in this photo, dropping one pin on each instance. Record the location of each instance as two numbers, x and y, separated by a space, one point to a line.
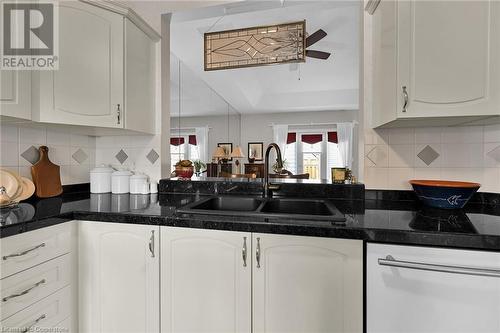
25 288
42 315
26 250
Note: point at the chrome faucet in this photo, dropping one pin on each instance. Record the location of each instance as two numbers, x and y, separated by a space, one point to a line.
279 162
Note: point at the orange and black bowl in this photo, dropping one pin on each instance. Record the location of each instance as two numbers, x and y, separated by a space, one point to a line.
444 194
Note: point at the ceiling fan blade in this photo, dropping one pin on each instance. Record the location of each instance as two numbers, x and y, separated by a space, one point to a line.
315 37
317 54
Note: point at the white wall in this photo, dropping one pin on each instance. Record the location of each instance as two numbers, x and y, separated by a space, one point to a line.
257 127
218 128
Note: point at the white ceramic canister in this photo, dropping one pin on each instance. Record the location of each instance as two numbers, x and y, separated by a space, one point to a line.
120 182
139 184
100 179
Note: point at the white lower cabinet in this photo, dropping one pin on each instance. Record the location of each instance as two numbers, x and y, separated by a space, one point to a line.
205 280
118 278
307 284
210 279
422 289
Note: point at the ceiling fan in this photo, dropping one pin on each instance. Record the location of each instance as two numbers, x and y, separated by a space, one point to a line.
313 39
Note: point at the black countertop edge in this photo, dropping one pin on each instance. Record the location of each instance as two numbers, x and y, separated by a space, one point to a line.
401 237
20 228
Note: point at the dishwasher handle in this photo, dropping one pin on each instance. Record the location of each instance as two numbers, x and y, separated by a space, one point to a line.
477 271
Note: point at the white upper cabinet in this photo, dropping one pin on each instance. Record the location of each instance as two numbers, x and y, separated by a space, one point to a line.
15 94
140 72
107 71
307 284
118 271
436 62
87 89
205 281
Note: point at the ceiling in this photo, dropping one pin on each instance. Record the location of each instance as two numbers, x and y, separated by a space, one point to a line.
151 11
317 85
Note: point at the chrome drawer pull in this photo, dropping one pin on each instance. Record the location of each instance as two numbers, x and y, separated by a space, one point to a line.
152 244
405 96
24 292
244 252
390 261
36 321
257 252
20 254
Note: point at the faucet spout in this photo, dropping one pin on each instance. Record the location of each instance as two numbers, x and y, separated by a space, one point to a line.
279 162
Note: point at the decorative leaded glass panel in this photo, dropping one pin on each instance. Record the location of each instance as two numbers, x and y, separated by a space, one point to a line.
255 46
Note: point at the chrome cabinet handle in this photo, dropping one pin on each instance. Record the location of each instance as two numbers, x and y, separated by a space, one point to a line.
244 252
36 321
152 244
24 292
257 252
405 96
20 254
390 261
118 113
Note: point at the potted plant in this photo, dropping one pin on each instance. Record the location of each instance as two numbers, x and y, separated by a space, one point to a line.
198 165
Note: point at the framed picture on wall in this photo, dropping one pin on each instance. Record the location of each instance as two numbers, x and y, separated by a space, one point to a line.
256 150
228 148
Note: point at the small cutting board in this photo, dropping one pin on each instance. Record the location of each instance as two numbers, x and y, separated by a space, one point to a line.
46 176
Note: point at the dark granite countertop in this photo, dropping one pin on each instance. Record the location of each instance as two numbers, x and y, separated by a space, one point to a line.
398 222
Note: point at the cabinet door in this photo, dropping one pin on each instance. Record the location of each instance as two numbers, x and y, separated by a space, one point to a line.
307 284
140 84
118 278
206 286
15 94
88 86
410 299
448 58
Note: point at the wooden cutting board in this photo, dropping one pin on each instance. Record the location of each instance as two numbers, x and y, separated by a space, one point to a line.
46 176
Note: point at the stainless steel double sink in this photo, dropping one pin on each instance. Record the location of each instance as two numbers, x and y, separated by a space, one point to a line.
291 208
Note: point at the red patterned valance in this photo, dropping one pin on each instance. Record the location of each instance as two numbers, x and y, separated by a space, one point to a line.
192 140
291 138
332 137
176 141
312 138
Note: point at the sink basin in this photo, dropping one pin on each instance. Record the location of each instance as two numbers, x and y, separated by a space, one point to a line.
233 204
314 209
298 207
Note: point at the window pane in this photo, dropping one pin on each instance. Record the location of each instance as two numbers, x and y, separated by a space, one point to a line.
176 154
334 159
194 153
312 164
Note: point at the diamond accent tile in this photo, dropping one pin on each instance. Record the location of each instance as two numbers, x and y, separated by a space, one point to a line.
121 156
428 155
495 154
80 156
31 155
152 156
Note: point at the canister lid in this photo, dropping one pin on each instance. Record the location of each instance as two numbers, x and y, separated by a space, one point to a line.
102 169
120 173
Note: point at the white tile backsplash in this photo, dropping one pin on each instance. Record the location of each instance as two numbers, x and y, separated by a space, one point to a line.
463 155
14 140
136 147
